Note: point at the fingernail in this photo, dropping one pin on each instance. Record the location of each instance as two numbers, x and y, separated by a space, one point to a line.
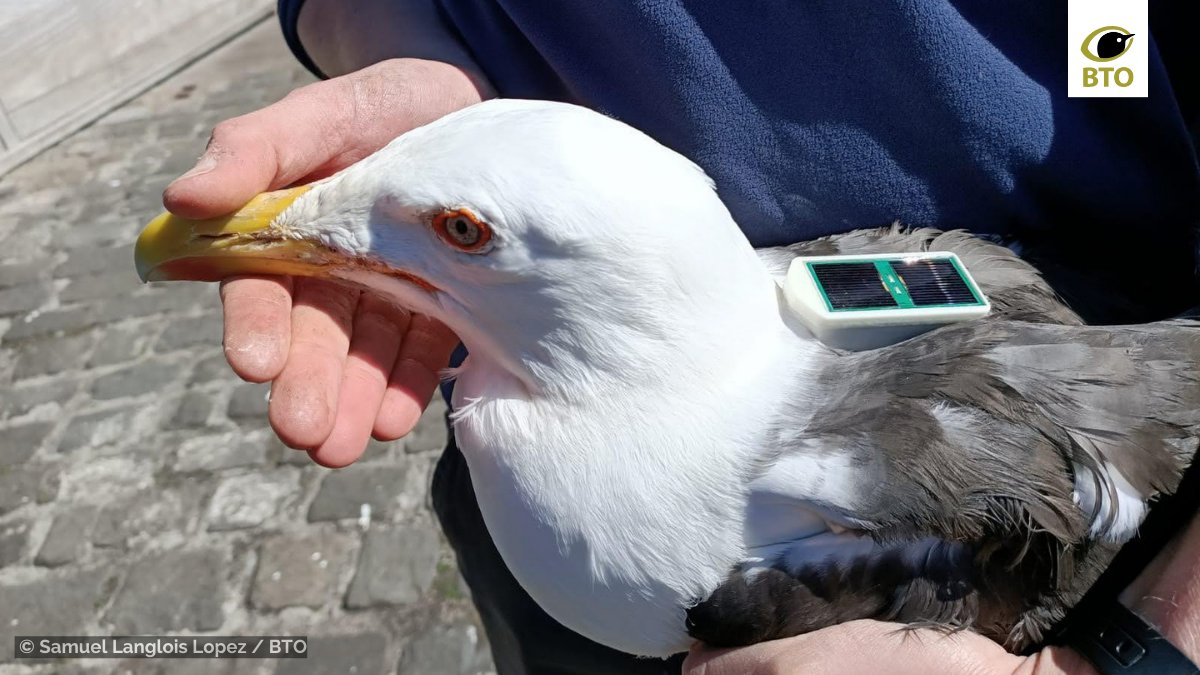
205 164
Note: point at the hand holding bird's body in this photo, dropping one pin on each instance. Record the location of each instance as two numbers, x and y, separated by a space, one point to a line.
662 454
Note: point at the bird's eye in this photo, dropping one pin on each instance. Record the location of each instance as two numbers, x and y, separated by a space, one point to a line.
463 230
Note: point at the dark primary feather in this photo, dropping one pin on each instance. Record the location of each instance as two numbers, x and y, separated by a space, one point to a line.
1031 394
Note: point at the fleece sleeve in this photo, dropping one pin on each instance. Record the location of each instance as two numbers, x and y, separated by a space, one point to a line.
334 37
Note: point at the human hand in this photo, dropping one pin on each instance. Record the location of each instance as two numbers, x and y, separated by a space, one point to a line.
1166 594
343 365
872 647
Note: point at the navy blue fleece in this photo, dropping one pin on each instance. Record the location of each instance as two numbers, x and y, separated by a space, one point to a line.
820 117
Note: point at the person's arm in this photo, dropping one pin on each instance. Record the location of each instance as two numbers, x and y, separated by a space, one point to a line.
1166 594
343 365
340 37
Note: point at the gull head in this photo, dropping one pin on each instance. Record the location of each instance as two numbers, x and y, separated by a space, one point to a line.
555 241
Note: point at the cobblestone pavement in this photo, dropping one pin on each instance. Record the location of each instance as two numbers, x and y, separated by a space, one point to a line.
141 491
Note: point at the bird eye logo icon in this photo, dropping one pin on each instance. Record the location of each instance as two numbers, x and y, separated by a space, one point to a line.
1102 45
1107 44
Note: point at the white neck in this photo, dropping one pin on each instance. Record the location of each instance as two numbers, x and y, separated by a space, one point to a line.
574 480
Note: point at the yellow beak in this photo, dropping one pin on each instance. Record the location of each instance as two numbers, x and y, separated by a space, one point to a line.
174 248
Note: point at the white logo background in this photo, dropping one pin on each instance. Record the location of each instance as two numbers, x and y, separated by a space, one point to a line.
1084 17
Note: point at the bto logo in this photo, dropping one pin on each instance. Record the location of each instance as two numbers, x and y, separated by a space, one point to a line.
1102 45
1107 48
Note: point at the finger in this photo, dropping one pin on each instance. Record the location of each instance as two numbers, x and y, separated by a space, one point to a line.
257 325
378 331
861 647
756 658
316 130
304 397
264 150
425 352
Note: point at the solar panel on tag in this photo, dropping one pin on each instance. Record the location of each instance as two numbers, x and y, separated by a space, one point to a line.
853 285
934 282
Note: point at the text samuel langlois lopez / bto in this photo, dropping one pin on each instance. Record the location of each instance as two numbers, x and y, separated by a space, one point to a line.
165 647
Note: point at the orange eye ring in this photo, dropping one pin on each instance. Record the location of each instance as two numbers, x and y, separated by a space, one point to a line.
463 230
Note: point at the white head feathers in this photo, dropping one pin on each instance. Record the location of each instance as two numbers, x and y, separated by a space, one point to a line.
600 238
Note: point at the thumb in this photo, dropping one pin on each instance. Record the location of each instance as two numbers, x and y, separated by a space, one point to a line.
314 131
264 150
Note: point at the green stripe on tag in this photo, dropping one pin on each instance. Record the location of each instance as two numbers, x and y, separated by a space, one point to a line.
893 284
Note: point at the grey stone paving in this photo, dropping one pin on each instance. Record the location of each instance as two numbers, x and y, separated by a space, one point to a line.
141 490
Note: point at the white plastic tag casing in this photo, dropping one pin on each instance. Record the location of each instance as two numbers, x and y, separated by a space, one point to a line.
900 314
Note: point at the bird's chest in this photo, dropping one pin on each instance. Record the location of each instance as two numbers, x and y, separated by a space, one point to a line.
609 540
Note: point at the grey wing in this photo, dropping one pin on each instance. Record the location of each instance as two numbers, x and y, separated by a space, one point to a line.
1016 290
989 444
1030 400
